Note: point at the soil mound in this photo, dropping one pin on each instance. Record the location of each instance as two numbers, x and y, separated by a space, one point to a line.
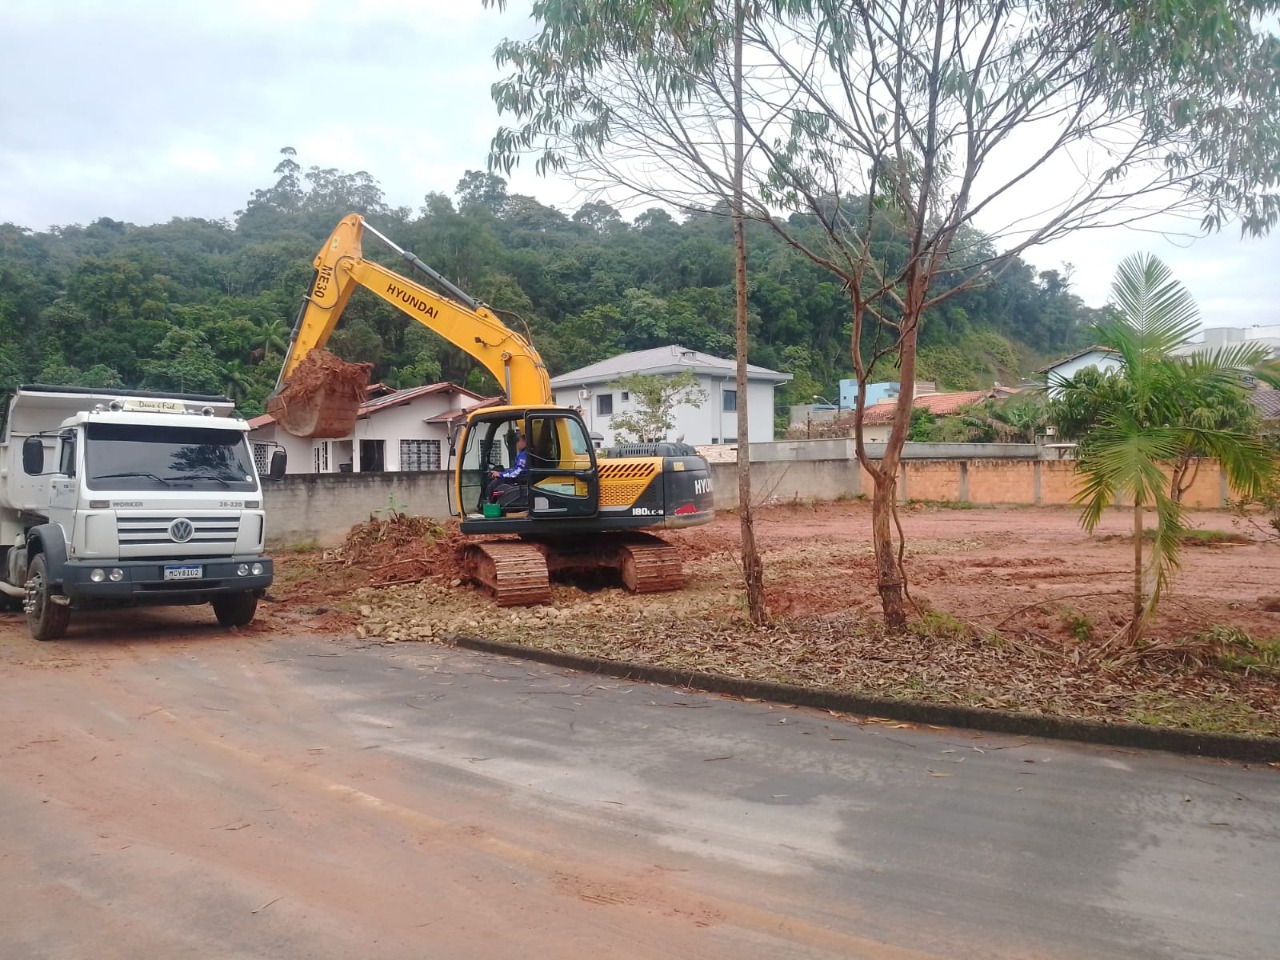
400 548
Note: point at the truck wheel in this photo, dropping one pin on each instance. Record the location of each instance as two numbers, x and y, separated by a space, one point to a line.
47 620
235 609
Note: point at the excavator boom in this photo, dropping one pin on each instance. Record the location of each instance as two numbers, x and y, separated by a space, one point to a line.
319 396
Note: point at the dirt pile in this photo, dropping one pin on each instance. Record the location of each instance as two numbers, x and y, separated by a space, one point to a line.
322 397
399 548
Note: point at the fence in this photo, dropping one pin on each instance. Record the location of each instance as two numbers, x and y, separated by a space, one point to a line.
321 508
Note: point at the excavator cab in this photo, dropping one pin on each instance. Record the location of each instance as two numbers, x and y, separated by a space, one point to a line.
560 482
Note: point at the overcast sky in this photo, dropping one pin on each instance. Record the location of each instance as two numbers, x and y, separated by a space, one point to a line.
145 110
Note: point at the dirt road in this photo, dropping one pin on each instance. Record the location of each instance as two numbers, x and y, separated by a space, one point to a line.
261 796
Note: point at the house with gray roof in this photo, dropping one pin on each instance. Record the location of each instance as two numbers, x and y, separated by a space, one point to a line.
715 421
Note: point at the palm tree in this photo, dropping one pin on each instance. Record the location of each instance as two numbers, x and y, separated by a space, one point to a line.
1137 424
272 335
236 378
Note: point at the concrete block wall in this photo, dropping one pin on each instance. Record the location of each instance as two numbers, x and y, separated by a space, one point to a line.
321 508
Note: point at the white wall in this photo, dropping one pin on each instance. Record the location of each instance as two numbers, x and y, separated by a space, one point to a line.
390 425
709 423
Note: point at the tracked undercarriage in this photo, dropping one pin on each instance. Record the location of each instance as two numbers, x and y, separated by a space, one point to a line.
517 573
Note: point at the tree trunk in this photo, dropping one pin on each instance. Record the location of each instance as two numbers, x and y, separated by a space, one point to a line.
752 567
1135 628
888 573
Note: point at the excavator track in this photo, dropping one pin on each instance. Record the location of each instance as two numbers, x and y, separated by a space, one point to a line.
513 573
645 563
650 565
517 573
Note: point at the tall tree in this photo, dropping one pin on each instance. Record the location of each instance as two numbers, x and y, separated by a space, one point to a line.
911 121
711 173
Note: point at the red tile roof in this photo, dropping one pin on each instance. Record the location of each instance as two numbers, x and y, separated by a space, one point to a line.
939 404
381 399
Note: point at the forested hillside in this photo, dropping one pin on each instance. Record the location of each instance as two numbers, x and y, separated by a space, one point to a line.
207 306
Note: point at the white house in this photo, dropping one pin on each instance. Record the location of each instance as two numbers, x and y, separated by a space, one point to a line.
1213 338
715 421
395 430
1066 368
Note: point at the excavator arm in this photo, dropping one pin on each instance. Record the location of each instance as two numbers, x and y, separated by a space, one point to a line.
321 402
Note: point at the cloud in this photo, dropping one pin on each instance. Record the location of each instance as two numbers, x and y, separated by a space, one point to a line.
144 110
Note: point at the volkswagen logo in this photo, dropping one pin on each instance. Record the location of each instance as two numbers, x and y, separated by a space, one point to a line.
181 530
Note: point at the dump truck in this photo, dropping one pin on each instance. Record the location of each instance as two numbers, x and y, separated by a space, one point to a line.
113 498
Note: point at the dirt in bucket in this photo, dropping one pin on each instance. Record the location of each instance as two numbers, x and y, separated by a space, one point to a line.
322 397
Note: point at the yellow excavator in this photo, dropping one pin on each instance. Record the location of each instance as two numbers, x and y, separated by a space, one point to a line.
574 509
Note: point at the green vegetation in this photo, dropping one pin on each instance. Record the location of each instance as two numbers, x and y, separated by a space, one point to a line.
937 623
207 306
1079 625
651 414
1217 713
1203 538
1157 412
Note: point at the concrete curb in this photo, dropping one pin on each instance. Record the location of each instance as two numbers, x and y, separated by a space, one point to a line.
1224 746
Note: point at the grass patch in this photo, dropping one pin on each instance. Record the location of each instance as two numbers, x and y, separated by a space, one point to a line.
1238 651
942 626
1218 713
1203 538
1079 625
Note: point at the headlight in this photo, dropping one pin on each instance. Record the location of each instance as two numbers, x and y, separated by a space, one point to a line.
97 576
257 569
242 570
117 575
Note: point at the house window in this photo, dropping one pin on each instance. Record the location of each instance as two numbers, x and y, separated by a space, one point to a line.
419 454
260 458
730 401
320 456
626 396
373 458
604 404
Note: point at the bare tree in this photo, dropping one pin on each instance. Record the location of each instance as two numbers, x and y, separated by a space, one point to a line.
921 119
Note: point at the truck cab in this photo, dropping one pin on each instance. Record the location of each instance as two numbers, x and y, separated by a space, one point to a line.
114 498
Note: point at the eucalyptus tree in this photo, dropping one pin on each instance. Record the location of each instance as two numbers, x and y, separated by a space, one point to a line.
693 157
1140 424
1023 118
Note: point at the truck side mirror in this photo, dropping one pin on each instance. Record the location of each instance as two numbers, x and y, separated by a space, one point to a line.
33 456
279 460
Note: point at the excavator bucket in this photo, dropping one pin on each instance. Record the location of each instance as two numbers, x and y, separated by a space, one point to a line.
322 397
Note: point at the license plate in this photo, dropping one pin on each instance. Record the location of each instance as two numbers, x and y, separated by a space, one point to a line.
183 573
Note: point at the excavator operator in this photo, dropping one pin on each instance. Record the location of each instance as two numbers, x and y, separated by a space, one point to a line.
507 487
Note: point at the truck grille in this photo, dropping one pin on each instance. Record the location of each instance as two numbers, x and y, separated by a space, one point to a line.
154 531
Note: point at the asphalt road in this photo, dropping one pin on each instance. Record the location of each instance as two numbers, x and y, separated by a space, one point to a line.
252 798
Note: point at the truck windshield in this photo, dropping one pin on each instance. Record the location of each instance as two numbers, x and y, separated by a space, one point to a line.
119 457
